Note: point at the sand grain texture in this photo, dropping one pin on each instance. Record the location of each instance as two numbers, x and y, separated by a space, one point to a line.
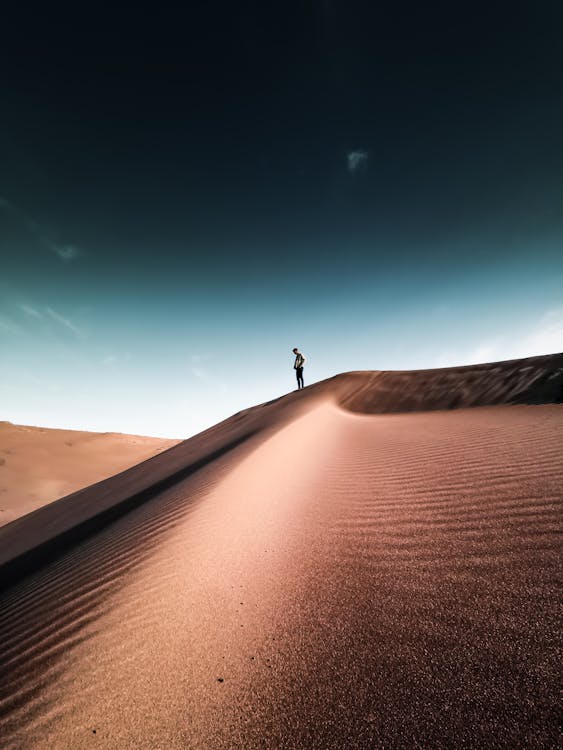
327 579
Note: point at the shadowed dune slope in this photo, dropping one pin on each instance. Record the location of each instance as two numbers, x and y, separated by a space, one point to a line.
304 575
534 380
28 541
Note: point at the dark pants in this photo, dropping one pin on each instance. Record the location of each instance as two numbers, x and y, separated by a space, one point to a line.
299 374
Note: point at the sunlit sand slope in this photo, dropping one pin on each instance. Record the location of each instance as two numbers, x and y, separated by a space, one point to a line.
313 578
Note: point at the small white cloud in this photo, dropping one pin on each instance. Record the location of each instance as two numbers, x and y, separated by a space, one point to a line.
356 160
197 367
66 252
65 322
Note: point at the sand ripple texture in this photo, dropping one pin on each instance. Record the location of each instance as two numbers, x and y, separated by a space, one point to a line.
344 581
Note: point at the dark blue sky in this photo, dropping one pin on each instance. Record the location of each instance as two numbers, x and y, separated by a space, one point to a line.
187 193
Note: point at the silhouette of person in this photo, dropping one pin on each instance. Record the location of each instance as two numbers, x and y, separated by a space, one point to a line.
300 360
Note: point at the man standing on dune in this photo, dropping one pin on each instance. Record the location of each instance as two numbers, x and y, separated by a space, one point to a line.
300 360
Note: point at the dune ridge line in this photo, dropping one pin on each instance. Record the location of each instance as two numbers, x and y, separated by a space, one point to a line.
29 541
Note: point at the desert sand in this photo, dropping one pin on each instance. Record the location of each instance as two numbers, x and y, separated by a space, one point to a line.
355 565
39 465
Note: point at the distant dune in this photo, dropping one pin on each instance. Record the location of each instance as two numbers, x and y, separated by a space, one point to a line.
39 465
372 562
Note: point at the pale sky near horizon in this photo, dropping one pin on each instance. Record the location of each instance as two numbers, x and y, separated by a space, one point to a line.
381 188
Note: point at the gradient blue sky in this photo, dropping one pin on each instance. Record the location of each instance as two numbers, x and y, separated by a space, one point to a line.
186 197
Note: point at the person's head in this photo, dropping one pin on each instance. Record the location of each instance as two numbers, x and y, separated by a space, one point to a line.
296 350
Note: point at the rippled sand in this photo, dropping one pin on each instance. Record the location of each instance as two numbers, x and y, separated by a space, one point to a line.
335 580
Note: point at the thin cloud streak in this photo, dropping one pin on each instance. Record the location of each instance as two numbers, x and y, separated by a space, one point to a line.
66 253
31 311
545 337
65 322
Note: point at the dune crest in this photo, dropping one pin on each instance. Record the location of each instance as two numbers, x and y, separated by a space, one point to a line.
28 541
304 575
535 380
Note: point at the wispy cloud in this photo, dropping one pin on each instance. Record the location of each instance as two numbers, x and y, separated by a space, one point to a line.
38 319
114 359
65 252
544 336
547 338
195 367
200 372
31 311
65 322
356 160
485 352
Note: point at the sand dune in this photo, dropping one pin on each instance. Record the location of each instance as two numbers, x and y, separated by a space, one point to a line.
304 575
39 465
